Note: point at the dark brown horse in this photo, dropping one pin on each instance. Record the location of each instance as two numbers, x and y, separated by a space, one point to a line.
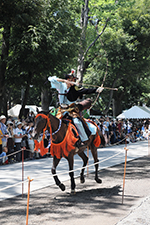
58 131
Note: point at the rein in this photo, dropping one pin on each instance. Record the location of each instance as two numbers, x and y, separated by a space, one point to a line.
48 124
60 121
61 149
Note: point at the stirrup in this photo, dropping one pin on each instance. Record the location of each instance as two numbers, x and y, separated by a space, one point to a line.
80 144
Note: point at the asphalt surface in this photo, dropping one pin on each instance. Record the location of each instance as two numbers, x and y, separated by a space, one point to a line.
139 214
40 171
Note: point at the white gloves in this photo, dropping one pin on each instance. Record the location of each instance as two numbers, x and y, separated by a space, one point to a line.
100 89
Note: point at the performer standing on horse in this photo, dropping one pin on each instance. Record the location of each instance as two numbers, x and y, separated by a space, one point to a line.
68 93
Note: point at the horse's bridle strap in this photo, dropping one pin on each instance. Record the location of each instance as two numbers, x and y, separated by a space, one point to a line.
48 122
42 115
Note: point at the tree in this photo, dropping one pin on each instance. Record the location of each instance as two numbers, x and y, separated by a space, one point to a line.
41 43
134 67
14 15
125 45
58 36
84 45
44 38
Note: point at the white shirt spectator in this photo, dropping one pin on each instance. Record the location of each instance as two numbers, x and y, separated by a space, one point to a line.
18 132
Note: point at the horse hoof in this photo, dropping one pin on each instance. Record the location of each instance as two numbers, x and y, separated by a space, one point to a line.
73 192
82 180
62 187
98 180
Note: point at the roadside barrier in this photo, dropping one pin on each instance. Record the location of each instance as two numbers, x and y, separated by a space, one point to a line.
13 185
43 177
67 172
27 214
124 170
47 176
149 144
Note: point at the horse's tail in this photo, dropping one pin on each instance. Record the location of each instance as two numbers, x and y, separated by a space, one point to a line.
97 140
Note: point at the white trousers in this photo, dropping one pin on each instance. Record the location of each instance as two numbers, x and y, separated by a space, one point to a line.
81 130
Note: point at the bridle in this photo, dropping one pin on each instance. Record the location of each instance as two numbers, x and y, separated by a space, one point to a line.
48 124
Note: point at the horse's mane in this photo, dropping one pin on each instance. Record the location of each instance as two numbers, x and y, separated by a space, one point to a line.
43 112
47 113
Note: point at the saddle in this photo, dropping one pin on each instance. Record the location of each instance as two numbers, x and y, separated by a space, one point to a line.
74 110
68 112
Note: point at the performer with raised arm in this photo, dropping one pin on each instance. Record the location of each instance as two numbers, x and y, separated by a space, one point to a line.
68 93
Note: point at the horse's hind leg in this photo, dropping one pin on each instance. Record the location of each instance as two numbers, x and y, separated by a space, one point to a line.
57 181
85 160
94 154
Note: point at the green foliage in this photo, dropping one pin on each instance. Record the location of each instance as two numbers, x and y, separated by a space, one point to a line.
125 45
43 40
48 45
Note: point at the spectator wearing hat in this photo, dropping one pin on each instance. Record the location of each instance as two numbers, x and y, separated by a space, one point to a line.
18 135
10 140
4 130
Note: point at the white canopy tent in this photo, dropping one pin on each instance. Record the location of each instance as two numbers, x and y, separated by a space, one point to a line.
14 111
135 112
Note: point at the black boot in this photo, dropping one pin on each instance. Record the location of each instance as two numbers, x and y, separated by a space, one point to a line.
80 144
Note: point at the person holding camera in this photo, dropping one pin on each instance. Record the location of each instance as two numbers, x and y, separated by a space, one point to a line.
18 135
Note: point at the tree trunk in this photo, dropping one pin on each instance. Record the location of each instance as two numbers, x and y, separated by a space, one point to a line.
25 96
45 99
3 63
46 95
84 21
5 104
117 107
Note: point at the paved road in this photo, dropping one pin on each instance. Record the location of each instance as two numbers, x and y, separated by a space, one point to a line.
139 214
40 170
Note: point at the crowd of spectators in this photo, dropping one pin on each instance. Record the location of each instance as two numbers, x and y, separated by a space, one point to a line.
115 131
15 135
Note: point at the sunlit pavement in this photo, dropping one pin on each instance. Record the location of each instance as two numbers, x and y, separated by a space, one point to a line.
40 169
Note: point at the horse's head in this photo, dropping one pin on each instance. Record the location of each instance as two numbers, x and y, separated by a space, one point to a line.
40 124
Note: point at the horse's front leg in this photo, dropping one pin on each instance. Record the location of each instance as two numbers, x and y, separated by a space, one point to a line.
70 159
57 181
85 160
94 154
